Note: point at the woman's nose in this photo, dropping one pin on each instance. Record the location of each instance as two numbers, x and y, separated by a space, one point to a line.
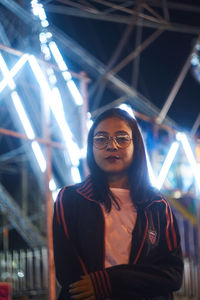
111 144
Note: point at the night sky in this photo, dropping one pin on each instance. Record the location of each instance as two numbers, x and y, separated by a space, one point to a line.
160 63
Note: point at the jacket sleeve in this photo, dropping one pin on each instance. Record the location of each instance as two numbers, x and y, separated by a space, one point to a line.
68 265
150 277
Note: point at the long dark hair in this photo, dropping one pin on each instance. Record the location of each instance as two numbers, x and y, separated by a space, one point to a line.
137 172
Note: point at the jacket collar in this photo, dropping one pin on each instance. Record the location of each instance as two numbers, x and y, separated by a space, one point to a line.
86 190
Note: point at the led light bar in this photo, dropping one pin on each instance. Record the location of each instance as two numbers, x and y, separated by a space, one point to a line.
21 112
190 156
22 115
150 170
55 103
167 164
9 75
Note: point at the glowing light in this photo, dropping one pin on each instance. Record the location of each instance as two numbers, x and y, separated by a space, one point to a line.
58 57
22 115
128 109
9 75
75 175
75 92
52 185
190 156
45 23
55 102
66 75
40 76
89 123
43 38
39 155
20 274
150 170
58 111
167 164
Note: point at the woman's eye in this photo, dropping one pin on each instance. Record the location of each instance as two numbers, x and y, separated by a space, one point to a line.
100 140
122 139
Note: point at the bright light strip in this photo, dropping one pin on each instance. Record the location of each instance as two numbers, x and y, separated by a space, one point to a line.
150 170
21 112
55 102
58 57
167 164
45 23
9 75
22 115
39 156
128 109
6 73
191 158
40 76
66 75
52 185
75 175
75 92
53 97
58 111
29 130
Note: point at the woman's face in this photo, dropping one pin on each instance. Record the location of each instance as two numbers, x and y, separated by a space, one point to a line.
113 159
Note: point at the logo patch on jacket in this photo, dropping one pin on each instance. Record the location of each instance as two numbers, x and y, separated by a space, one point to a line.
152 234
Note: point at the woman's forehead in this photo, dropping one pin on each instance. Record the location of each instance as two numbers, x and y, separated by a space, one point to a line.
112 125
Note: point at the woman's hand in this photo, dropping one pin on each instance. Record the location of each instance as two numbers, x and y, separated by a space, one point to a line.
82 289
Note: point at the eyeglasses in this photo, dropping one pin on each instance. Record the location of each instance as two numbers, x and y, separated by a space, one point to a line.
101 141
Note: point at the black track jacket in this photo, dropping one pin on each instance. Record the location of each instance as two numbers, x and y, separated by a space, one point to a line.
155 265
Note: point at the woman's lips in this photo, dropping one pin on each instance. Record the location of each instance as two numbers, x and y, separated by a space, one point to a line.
112 158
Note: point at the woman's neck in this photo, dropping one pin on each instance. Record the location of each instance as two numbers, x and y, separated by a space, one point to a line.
116 181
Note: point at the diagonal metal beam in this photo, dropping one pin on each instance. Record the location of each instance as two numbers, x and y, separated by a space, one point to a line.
21 223
165 10
176 86
117 18
135 53
96 68
124 38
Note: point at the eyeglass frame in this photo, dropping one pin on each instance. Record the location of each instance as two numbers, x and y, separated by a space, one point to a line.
109 138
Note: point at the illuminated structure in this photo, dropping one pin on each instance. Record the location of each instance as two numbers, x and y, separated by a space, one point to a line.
45 105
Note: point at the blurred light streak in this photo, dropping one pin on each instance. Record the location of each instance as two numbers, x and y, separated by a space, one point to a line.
167 164
66 75
190 156
150 170
75 174
55 103
8 75
22 114
128 109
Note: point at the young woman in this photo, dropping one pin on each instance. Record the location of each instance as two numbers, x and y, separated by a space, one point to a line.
114 236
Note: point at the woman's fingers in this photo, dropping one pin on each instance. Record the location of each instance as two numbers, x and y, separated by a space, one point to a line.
82 289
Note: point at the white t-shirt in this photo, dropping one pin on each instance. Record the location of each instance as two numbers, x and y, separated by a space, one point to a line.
119 225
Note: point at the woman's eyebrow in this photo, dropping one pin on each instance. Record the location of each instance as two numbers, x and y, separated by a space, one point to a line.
121 132
101 132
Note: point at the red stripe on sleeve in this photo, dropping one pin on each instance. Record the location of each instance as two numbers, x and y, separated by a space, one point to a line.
108 281
63 216
167 228
142 244
100 285
173 229
95 284
67 233
104 283
57 213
